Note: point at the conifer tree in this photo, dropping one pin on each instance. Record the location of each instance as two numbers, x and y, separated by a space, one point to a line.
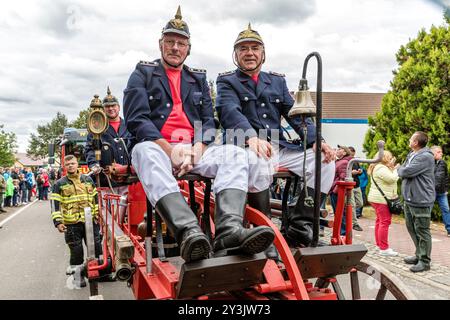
419 97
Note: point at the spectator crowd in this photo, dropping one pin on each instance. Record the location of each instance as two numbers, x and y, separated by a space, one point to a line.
18 186
425 181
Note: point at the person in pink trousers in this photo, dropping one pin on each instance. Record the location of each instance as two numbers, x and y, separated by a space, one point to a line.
386 176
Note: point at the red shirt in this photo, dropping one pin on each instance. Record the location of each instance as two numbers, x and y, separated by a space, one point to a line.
177 128
115 125
255 78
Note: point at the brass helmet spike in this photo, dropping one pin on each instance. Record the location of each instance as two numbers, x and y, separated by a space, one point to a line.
178 14
109 100
177 25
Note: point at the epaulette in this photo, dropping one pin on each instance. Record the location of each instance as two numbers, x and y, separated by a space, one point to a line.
277 74
148 63
226 73
196 70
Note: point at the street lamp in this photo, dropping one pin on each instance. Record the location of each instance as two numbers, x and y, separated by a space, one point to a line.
304 108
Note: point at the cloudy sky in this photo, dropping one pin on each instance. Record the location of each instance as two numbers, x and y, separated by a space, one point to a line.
55 55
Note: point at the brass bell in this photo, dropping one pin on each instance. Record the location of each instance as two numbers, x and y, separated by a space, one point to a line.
303 105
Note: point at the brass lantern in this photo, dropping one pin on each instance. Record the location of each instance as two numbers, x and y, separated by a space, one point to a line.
303 105
97 124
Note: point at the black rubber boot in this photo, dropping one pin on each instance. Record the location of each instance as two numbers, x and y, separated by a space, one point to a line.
231 236
182 222
79 274
261 201
300 220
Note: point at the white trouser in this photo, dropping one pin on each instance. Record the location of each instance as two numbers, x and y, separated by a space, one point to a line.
227 164
121 190
261 171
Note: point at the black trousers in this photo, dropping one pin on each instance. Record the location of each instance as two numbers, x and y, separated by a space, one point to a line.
74 236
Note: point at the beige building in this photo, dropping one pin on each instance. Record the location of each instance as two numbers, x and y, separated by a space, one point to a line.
23 161
345 117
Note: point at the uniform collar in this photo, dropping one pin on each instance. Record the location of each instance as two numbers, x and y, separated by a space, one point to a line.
73 176
258 89
161 71
186 79
121 131
243 77
186 75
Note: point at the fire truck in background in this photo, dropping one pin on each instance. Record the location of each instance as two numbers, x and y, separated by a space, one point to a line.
72 141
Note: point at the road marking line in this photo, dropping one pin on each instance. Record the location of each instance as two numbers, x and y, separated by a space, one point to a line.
15 214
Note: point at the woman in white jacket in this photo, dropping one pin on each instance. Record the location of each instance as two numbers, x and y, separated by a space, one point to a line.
385 175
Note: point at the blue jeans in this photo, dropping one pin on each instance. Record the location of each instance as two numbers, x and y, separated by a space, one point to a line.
40 192
24 196
44 193
15 198
442 201
334 200
359 211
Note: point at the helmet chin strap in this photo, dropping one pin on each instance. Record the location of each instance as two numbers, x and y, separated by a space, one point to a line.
248 70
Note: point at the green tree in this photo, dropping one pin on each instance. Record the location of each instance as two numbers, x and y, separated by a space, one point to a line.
81 121
47 133
8 145
212 90
419 98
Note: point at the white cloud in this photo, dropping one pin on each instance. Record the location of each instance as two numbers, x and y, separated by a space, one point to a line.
57 54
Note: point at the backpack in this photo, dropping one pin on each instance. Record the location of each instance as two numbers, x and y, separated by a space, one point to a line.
39 179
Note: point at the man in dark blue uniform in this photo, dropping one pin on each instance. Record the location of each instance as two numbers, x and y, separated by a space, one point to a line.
116 136
168 110
252 102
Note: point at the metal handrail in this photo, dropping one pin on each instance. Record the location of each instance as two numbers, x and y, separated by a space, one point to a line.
348 176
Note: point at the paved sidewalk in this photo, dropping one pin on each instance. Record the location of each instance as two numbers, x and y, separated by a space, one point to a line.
400 241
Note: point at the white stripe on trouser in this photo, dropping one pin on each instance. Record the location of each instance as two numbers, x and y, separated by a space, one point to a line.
261 170
227 164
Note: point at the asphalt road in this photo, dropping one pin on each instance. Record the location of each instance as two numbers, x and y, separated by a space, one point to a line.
34 257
